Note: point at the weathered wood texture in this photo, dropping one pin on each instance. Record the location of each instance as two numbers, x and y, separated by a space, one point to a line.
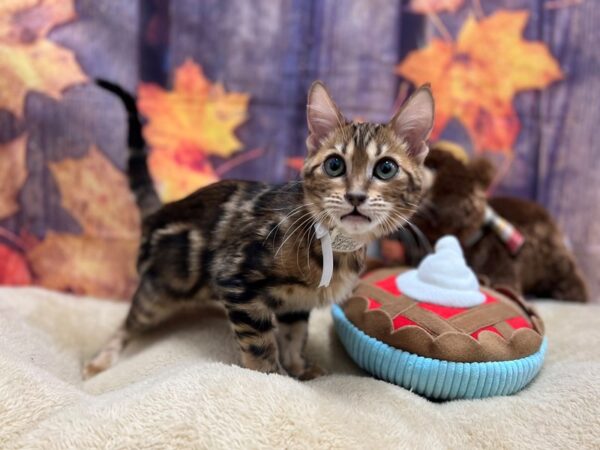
569 152
275 49
556 156
520 180
104 39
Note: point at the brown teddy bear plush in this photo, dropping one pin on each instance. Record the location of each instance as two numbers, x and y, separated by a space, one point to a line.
510 241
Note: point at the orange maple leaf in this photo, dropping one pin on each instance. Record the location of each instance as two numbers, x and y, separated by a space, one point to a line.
28 61
196 113
100 262
85 265
13 173
434 6
476 78
180 171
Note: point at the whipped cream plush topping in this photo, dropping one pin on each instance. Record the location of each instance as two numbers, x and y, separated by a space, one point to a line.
443 278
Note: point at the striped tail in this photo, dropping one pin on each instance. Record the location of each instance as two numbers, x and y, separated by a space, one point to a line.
140 180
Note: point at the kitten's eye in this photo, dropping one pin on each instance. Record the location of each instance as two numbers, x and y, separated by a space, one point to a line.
334 166
385 169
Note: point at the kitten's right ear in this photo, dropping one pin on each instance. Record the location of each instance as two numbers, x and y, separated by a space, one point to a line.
322 114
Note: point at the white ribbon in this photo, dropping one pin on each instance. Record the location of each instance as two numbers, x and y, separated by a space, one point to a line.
340 242
327 250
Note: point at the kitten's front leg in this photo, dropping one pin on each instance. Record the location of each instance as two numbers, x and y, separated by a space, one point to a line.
254 328
292 333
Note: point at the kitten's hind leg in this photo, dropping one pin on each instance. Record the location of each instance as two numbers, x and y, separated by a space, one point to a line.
109 354
148 310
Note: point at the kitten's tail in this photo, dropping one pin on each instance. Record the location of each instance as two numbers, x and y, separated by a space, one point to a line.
140 180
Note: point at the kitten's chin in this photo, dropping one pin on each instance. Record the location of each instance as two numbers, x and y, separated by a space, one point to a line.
356 226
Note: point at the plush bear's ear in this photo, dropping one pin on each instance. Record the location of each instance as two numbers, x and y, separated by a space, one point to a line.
322 114
414 121
483 171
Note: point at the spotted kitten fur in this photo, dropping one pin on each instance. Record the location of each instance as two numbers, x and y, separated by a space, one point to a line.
252 246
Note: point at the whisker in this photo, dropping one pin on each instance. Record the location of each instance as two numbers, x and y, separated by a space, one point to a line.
294 230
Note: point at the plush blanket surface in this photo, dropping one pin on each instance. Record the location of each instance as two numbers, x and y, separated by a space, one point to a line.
180 388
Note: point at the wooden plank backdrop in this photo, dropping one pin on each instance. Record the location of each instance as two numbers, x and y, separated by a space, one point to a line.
556 156
569 154
273 50
105 40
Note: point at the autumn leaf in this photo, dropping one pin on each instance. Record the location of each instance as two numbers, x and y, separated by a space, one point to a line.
435 6
97 195
476 78
28 61
187 125
13 173
196 113
13 267
85 265
100 262
27 20
180 171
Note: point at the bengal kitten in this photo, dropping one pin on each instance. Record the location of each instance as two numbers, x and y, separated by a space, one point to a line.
253 246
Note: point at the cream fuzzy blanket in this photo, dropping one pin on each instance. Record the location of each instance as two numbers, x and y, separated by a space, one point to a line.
180 388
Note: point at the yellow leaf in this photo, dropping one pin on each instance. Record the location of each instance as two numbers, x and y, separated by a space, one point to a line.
13 173
42 66
27 20
97 195
196 113
27 60
497 44
476 78
85 265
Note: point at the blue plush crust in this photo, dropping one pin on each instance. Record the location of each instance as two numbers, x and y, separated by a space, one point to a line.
435 378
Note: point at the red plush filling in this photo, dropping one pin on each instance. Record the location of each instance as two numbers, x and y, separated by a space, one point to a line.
389 285
401 321
518 322
490 328
373 304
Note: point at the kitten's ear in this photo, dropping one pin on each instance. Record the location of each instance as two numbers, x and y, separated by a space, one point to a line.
322 114
414 121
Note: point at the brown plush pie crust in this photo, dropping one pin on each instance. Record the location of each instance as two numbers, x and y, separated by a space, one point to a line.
446 338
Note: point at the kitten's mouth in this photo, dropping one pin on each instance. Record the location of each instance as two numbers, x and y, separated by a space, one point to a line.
355 217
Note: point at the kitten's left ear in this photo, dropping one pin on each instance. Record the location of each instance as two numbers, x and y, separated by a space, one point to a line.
414 121
322 114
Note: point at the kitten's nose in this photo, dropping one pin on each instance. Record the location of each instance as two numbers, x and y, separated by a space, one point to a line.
355 198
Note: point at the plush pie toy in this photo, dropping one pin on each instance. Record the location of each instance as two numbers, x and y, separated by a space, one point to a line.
436 331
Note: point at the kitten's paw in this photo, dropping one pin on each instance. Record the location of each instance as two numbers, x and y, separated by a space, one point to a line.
311 372
99 364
